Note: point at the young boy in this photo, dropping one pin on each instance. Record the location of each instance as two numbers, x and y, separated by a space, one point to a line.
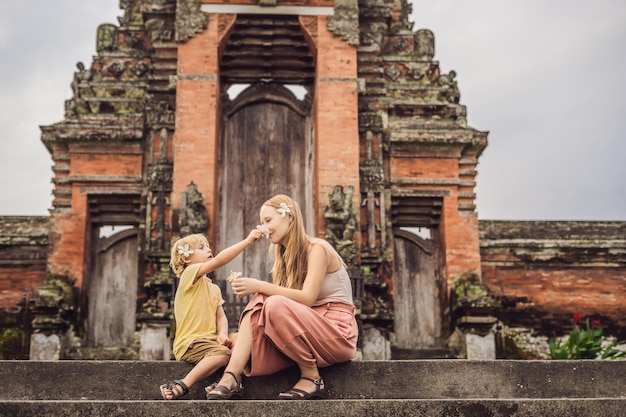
201 324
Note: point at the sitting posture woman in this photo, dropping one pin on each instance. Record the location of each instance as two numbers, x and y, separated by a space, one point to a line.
305 317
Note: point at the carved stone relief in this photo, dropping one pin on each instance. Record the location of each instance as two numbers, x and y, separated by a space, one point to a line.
341 224
190 19
106 38
345 22
193 214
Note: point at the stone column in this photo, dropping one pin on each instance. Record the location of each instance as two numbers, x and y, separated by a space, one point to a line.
155 341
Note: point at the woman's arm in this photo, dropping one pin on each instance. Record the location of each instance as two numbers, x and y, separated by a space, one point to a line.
318 265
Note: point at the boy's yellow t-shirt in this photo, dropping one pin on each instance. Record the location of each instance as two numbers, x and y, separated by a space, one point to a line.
195 309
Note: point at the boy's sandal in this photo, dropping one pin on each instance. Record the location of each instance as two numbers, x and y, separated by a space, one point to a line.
222 392
298 394
175 392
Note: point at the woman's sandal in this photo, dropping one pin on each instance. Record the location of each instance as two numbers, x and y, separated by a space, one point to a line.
222 392
171 386
298 394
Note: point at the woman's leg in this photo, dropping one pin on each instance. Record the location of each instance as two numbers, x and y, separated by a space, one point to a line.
239 355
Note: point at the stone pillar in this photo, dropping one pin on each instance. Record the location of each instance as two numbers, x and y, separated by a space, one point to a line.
376 347
478 339
53 310
45 347
155 341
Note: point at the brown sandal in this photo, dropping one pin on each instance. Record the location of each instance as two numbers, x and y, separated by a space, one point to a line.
298 394
175 392
221 392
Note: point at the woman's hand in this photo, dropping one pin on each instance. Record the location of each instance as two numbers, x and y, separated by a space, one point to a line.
243 287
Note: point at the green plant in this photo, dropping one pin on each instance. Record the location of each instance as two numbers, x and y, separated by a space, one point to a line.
584 343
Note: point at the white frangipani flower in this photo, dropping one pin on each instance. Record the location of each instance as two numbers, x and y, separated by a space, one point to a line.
264 229
185 250
283 209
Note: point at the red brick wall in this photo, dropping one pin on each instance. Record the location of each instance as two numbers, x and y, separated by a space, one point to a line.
197 98
23 254
336 119
543 272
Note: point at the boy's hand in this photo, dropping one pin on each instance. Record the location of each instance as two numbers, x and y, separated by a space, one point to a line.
224 341
254 236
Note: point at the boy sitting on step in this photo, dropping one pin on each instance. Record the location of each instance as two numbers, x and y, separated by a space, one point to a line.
201 324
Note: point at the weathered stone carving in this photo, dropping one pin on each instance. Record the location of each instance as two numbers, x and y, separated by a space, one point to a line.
54 305
341 224
452 94
76 104
157 29
392 72
190 19
193 214
116 69
106 38
424 44
140 68
132 12
400 44
345 22
161 115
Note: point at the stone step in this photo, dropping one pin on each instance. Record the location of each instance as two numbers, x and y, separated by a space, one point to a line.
119 381
561 407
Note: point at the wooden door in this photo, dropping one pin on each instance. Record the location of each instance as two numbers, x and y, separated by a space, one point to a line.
417 317
265 150
112 291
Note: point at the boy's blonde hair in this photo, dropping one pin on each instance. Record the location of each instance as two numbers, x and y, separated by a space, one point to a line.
177 259
291 261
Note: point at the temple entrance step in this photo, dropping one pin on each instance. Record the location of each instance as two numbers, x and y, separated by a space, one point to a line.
361 388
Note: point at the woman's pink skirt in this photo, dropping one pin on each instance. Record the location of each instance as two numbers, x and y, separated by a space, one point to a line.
285 333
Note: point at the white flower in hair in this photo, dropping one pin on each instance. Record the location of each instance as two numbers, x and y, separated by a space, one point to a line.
283 209
264 229
185 250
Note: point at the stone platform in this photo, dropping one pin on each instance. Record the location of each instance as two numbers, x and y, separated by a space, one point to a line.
368 388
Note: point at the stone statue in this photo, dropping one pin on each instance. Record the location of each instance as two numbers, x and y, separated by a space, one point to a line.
341 224
448 80
193 214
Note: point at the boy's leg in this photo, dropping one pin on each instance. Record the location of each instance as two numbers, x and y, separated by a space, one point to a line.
206 367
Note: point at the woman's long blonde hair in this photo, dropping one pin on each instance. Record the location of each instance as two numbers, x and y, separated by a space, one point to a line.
291 261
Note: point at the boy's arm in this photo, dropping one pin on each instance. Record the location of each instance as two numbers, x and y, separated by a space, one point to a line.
229 253
221 323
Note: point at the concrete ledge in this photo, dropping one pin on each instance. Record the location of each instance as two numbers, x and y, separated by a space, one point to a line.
605 407
421 379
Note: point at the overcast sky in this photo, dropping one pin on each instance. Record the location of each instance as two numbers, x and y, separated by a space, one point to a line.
544 77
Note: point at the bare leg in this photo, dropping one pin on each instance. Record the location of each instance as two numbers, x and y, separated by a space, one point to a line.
240 354
207 366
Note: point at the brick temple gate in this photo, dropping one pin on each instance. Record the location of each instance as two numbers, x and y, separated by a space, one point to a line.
194 112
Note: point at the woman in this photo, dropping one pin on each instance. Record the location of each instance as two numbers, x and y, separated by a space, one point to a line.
304 317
